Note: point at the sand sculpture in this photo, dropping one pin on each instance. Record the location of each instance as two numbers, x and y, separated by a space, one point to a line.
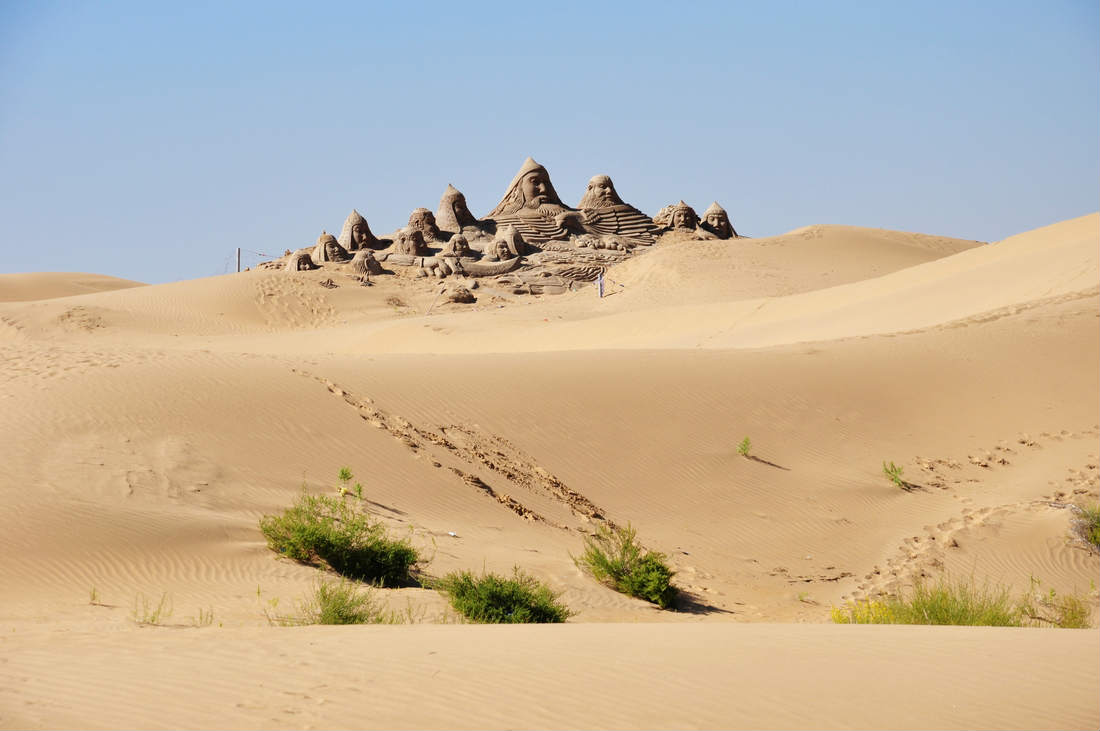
505 245
531 243
356 234
410 241
461 295
683 217
453 214
458 247
532 207
606 215
424 221
364 263
680 218
717 221
329 249
300 262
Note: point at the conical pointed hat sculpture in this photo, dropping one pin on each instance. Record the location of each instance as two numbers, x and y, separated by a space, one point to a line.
713 208
347 238
453 214
514 197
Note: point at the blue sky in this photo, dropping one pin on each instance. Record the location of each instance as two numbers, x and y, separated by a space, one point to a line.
149 140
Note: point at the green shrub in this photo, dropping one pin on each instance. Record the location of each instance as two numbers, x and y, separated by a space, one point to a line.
335 602
744 447
1088 523
494 599
961 603
614 557
343 602
328 531
893 473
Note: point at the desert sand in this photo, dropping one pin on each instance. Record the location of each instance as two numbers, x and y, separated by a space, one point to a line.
146 429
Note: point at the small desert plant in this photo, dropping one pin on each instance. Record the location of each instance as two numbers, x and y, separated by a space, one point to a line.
962 603
143 612
494 599
1087 523
343 602
345 476
93 596
205 618
615 558
744 447
1051 609
893 473
329 531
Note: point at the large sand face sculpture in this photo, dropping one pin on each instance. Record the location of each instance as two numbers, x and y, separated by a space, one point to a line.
356 234
533 208
606 214
717 221
531 243
329 249
453 214
423 220
410 242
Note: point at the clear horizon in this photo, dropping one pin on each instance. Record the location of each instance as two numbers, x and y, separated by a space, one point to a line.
157 139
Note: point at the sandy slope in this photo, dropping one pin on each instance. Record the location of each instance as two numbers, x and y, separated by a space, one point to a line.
48 285
589 676
148 429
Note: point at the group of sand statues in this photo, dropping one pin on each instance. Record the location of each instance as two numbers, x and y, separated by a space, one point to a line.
530 231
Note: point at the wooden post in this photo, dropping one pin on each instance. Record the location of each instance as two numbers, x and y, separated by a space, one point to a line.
238 260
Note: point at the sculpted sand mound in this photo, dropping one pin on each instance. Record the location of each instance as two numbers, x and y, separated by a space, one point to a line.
49 285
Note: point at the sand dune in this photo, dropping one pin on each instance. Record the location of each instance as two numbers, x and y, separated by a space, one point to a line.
599 676
48 285
149 428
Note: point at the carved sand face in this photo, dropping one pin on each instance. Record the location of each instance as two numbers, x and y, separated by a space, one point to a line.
459 246
358 235
718 221
304 264
683 218
601 189
460 209
535 187
332 250
423 220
